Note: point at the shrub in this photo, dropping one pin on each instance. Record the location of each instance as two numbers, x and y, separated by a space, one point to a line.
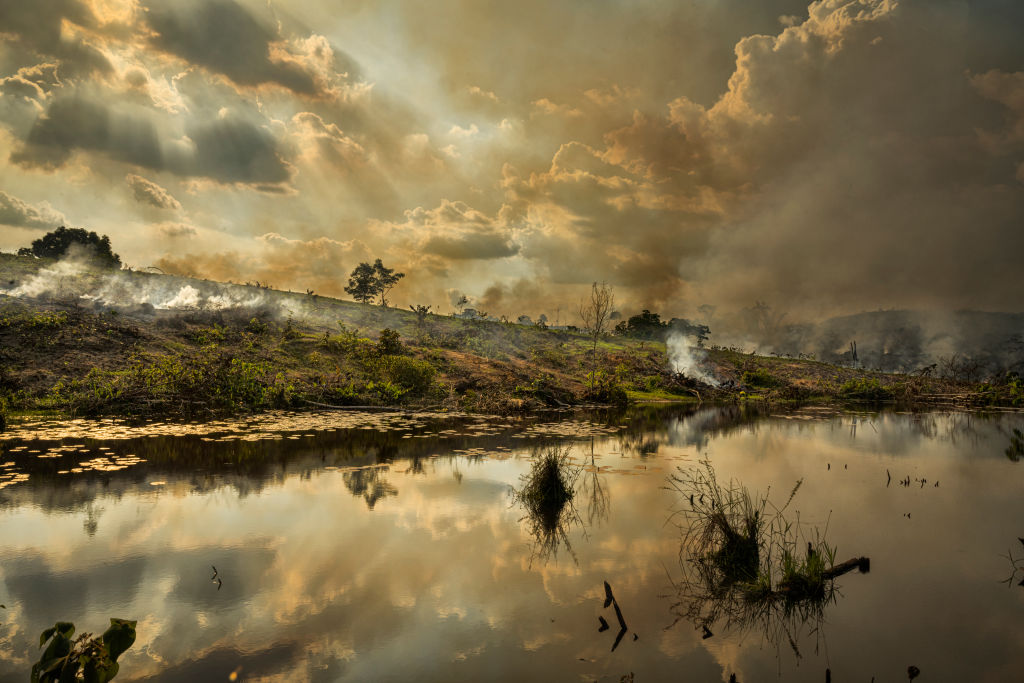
761 378
389 343
865 388
84 658
414 375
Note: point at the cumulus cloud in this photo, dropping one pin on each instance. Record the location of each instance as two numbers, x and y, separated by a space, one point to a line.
456 231
148 192
17 213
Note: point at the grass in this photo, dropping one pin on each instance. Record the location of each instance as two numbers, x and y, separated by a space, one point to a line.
744 563
546 495
866 389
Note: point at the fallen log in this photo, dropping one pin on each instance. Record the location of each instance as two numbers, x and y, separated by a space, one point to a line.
861 563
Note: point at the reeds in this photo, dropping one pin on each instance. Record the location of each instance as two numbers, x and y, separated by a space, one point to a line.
743 562
546 495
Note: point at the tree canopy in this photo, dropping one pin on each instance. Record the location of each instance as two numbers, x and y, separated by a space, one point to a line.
647 325
367 282
57 243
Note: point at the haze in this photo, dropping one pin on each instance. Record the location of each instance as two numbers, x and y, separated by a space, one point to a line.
827 159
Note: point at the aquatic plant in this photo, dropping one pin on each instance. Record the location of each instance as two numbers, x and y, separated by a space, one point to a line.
743 562
85 658
547 494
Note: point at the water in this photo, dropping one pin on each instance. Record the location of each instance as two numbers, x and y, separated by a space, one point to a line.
383 547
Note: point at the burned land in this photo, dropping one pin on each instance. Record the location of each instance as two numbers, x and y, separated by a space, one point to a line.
85 341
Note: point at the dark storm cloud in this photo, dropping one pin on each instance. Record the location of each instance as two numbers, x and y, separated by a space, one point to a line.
234 149
471 245
226 38
37 25
456 231
228 149
78 122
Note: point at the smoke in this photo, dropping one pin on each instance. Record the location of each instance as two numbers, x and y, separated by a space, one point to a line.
689 361
72 278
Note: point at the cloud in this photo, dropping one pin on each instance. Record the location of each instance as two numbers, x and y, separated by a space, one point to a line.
456 231
148 192
229 148
226 38
17 213
176 230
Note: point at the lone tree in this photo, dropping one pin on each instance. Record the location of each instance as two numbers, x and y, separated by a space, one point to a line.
57 243
361 283
594 312
367 282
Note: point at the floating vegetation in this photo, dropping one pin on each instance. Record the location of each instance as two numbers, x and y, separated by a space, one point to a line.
546 495
745 565
307 424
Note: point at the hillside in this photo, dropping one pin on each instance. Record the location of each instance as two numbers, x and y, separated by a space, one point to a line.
87 342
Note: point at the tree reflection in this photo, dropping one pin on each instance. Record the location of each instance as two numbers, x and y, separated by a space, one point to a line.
594 494
370 484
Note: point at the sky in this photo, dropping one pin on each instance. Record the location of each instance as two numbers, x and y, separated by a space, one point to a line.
825 158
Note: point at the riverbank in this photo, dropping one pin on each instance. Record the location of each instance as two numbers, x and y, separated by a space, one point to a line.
222 348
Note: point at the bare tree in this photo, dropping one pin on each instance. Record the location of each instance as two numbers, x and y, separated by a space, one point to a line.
595 312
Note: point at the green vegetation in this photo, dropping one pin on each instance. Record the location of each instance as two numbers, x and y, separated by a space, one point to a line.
85 658
761 378
866 389
368 282
62 241
744 563
546 495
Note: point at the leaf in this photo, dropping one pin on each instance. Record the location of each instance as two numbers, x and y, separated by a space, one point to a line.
119 637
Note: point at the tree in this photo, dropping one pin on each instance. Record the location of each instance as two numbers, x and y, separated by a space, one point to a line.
594 313
362 283
59 242
367 282
384 280
421 312
645 325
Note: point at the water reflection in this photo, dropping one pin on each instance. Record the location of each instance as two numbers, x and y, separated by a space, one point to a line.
440 580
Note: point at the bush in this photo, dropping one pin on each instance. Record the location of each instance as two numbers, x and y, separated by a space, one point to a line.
84 658
867 389
414 375
602 388
761 378
390 343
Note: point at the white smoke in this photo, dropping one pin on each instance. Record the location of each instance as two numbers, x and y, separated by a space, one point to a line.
72 278
688 360
52 280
